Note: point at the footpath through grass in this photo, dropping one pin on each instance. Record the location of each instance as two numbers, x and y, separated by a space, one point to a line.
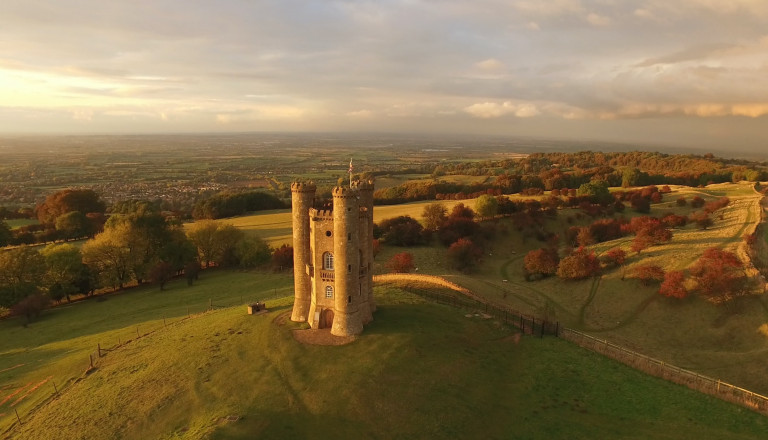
420 370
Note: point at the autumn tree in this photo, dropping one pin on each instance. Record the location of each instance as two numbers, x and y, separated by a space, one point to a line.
401 262
434 215
68 200
161 273
282 257
541 262
464 255
673 285
719 275
113 254
649 273
582 263
613 257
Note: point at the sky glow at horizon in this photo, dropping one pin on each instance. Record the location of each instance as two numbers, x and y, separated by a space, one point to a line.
684 72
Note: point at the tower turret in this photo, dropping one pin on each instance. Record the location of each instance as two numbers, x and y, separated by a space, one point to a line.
365 191
302 199
346 250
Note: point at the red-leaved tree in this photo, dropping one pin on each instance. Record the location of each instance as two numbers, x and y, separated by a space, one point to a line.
464 255
673 285
582 263
401 263
541 262
719 275
649 273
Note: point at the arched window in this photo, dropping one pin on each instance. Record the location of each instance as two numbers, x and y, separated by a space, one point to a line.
329 291
328 261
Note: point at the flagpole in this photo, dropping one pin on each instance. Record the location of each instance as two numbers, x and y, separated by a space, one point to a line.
350 172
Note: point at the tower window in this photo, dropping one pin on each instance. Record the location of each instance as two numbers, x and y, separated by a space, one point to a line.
328 261
329 291
349 268
349 236
327 233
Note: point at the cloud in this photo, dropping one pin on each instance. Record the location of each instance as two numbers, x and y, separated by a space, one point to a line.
598 20
487 110
490 65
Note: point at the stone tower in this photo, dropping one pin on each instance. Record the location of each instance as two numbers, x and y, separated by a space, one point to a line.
333 258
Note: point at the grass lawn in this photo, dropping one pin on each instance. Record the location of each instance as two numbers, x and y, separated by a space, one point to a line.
420 370
19 222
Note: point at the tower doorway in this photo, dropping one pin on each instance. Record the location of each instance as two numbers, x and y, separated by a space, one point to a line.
327 319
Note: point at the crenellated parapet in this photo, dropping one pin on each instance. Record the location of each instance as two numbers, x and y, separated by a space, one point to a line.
303 187
320 214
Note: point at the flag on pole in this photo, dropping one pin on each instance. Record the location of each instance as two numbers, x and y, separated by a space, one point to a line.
350 165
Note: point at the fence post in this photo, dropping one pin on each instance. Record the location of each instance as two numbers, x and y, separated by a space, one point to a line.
98 348
17 416
90 359
55 389
164 324
137 332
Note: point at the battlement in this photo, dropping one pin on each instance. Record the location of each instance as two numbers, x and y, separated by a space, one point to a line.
341 192
363 185
320 214
303 187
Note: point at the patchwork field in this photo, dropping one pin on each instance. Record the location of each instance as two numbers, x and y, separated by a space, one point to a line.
420 370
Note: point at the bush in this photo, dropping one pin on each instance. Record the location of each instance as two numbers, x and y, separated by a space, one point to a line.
282 258
464 255
31 306
581 264
649 273
673 285
401 263
614 257
541 262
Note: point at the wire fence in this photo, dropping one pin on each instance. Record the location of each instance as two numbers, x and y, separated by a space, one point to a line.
672 373
95 357
531 325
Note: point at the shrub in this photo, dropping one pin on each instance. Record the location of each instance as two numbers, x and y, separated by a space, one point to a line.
681 201
697 202
401 263
464 255
282 257
649 273
31 306
719 275
673 285
542 261
581 264
614 257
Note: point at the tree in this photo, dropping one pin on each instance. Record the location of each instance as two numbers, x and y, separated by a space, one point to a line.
31 306
697 202
702 220
614 257
282 257
215 242
581 264
673 285
21 274
434 216
6 235
73 224
253 251
401 263
649 273
161 273
719 275
401 231
542 261
112 254
68 200
486 206
464 255
597 191
584 237
63 264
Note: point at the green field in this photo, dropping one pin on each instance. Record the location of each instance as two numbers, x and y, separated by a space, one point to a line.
420 370
19 222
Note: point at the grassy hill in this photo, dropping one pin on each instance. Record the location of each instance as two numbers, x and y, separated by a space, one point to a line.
420 370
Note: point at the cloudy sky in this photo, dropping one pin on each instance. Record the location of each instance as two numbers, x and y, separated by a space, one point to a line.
682 72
